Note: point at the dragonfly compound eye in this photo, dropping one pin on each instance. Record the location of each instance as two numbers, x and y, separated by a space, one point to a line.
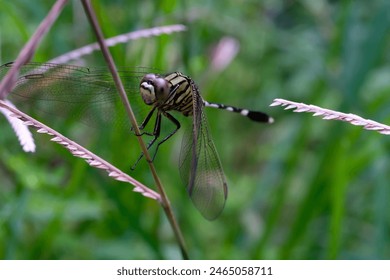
161 89
153 89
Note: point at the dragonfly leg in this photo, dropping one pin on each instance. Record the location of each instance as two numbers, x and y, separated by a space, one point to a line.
144 123
156 134
176 122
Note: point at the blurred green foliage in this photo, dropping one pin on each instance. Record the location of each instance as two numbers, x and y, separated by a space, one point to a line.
301 188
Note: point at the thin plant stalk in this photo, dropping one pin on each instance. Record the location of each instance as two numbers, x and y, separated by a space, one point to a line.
119 39
328 114
110 62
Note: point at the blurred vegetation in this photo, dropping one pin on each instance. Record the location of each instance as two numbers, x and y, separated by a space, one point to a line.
301 188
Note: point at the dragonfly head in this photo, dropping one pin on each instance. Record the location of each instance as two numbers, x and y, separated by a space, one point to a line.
154 89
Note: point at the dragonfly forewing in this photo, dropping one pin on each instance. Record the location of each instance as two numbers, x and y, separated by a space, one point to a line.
89 96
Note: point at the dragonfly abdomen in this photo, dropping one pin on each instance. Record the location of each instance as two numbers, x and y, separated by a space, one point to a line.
253 115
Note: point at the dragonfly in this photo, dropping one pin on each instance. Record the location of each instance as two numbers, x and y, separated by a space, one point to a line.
199 165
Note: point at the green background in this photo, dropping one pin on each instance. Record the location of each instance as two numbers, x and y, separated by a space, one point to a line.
301 188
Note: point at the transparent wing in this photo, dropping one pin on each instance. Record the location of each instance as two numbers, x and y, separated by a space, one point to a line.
78 93
200 167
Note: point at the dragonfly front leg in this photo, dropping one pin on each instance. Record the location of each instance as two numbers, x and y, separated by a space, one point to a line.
145 123
176 122
156 134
